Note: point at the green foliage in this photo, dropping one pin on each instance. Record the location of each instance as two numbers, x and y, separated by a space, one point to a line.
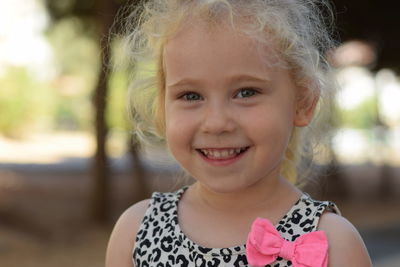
117 101
72 113
76 49
361 117
64 8
77 58
24 103
66 102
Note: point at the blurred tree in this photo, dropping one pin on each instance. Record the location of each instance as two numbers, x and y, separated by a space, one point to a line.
76 53
377 23
105 14
373 21
97 17
25 102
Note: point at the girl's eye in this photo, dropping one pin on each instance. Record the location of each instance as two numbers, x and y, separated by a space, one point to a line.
246 92
191 96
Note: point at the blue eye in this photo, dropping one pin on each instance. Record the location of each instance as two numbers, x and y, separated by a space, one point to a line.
191 96
246 92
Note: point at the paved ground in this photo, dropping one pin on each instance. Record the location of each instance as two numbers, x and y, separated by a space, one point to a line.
384 244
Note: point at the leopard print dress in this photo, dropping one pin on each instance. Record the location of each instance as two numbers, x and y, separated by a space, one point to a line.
160 241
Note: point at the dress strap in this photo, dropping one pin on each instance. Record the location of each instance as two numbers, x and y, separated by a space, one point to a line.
304 217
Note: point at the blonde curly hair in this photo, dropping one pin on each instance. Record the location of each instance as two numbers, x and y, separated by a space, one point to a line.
301 29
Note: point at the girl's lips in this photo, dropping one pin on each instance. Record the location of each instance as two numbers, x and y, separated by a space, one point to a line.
222 156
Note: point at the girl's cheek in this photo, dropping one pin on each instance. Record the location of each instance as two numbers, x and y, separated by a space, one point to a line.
176 121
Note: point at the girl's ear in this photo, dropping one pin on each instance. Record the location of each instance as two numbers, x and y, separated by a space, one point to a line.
305 106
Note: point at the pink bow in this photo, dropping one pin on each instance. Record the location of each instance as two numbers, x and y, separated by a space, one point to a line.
264 245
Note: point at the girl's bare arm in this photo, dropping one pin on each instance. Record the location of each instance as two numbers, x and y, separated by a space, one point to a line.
346 247
122 240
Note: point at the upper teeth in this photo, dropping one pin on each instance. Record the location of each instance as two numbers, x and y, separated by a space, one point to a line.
221 153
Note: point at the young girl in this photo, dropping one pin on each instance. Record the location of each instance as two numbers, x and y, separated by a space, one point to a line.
237 85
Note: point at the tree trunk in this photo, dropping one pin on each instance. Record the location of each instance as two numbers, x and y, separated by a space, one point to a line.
140 187
106 11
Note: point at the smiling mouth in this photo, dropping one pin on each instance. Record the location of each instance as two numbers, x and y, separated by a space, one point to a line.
222 153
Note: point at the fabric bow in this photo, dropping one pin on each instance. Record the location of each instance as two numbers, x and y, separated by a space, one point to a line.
264 244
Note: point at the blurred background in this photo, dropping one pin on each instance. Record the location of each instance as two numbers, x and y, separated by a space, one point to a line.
68 166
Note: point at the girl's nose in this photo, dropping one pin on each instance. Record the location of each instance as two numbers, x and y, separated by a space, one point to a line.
217 119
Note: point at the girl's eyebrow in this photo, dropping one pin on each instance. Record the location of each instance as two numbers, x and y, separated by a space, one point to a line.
232 79
184 81
249 78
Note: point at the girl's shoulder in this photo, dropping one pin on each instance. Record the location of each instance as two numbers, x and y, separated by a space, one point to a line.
346 247
123 236
133 216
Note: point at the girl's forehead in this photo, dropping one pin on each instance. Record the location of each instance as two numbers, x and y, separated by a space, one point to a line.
198 37
198 52
191 34
214 28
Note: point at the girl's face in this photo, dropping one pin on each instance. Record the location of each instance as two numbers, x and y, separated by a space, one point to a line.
229 115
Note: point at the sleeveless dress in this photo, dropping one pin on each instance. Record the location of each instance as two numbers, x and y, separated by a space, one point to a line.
160 241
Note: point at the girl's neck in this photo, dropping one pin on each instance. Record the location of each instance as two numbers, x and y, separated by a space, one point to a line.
263 196
215 219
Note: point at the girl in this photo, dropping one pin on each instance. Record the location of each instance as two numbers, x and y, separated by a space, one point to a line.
237 85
